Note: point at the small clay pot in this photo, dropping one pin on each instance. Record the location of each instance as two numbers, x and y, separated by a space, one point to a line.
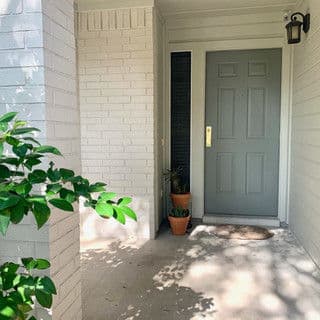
179 225
181 200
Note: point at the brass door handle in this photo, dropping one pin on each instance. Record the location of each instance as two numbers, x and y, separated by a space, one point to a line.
208 136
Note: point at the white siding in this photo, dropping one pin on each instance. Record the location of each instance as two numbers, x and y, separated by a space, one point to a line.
304 215
208 27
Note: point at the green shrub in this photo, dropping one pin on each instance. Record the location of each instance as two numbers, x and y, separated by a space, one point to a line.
22 175
179 213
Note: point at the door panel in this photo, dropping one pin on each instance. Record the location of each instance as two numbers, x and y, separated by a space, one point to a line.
243 109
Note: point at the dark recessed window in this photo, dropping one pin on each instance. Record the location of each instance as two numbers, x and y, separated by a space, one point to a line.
181 113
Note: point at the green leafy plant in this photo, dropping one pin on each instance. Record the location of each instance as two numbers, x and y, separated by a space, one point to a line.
174 176
179 213
21 177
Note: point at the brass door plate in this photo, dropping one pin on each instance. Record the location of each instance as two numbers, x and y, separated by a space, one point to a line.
208 136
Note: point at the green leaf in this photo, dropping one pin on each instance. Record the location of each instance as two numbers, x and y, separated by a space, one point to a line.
32 140
41 213
13 161
17 173
10 267
42 264
107 196
34 156
8 117
8 201
53 174
124 201
66 173
29 263
19 123
3 126
7 312
97 187
20 150
81 188
53 188
68 195
48 149
37 176
4 172
32 318
61 204
24 187
104 209
17 213
4 223
44 298
20 131
1 149
40 199
30 163
47 285
129 212
120 215
12 141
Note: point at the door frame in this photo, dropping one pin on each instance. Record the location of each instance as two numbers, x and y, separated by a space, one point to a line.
198 77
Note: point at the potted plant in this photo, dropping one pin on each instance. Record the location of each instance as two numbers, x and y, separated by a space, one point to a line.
180 194
179 219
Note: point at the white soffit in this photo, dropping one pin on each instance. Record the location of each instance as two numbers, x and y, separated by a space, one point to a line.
180 7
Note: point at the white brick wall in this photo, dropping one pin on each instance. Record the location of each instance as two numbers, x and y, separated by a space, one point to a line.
305 167
38 78
22 88
63 123
116 76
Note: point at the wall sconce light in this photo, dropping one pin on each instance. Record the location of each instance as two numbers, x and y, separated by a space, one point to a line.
294 27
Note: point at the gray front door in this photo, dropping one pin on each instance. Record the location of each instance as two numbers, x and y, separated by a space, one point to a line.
243 110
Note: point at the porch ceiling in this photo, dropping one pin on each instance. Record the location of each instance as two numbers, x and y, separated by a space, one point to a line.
173 7
176 7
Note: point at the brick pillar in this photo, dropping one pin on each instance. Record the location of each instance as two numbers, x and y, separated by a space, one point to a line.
38 78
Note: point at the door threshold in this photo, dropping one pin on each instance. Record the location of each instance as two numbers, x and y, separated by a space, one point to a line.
241 219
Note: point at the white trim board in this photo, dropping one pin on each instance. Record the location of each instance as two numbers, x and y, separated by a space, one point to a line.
198 52
241 220
84 5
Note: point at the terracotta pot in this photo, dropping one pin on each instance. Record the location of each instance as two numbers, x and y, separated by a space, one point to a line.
179 225
181 200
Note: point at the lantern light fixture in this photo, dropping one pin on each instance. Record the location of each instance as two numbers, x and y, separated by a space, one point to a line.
294 27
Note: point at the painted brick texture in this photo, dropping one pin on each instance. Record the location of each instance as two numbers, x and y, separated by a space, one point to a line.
116 79
63 131
38 78
22 88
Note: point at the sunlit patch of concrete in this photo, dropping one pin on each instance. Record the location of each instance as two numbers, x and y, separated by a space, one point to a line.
201 277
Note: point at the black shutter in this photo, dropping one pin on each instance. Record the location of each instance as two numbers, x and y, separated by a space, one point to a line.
181 113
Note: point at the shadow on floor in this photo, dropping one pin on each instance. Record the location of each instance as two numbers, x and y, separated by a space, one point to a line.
201 277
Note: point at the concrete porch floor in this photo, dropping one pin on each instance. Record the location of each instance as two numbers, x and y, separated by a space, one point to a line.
200 277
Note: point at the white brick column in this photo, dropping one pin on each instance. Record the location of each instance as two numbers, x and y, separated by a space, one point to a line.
38 78
118 130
